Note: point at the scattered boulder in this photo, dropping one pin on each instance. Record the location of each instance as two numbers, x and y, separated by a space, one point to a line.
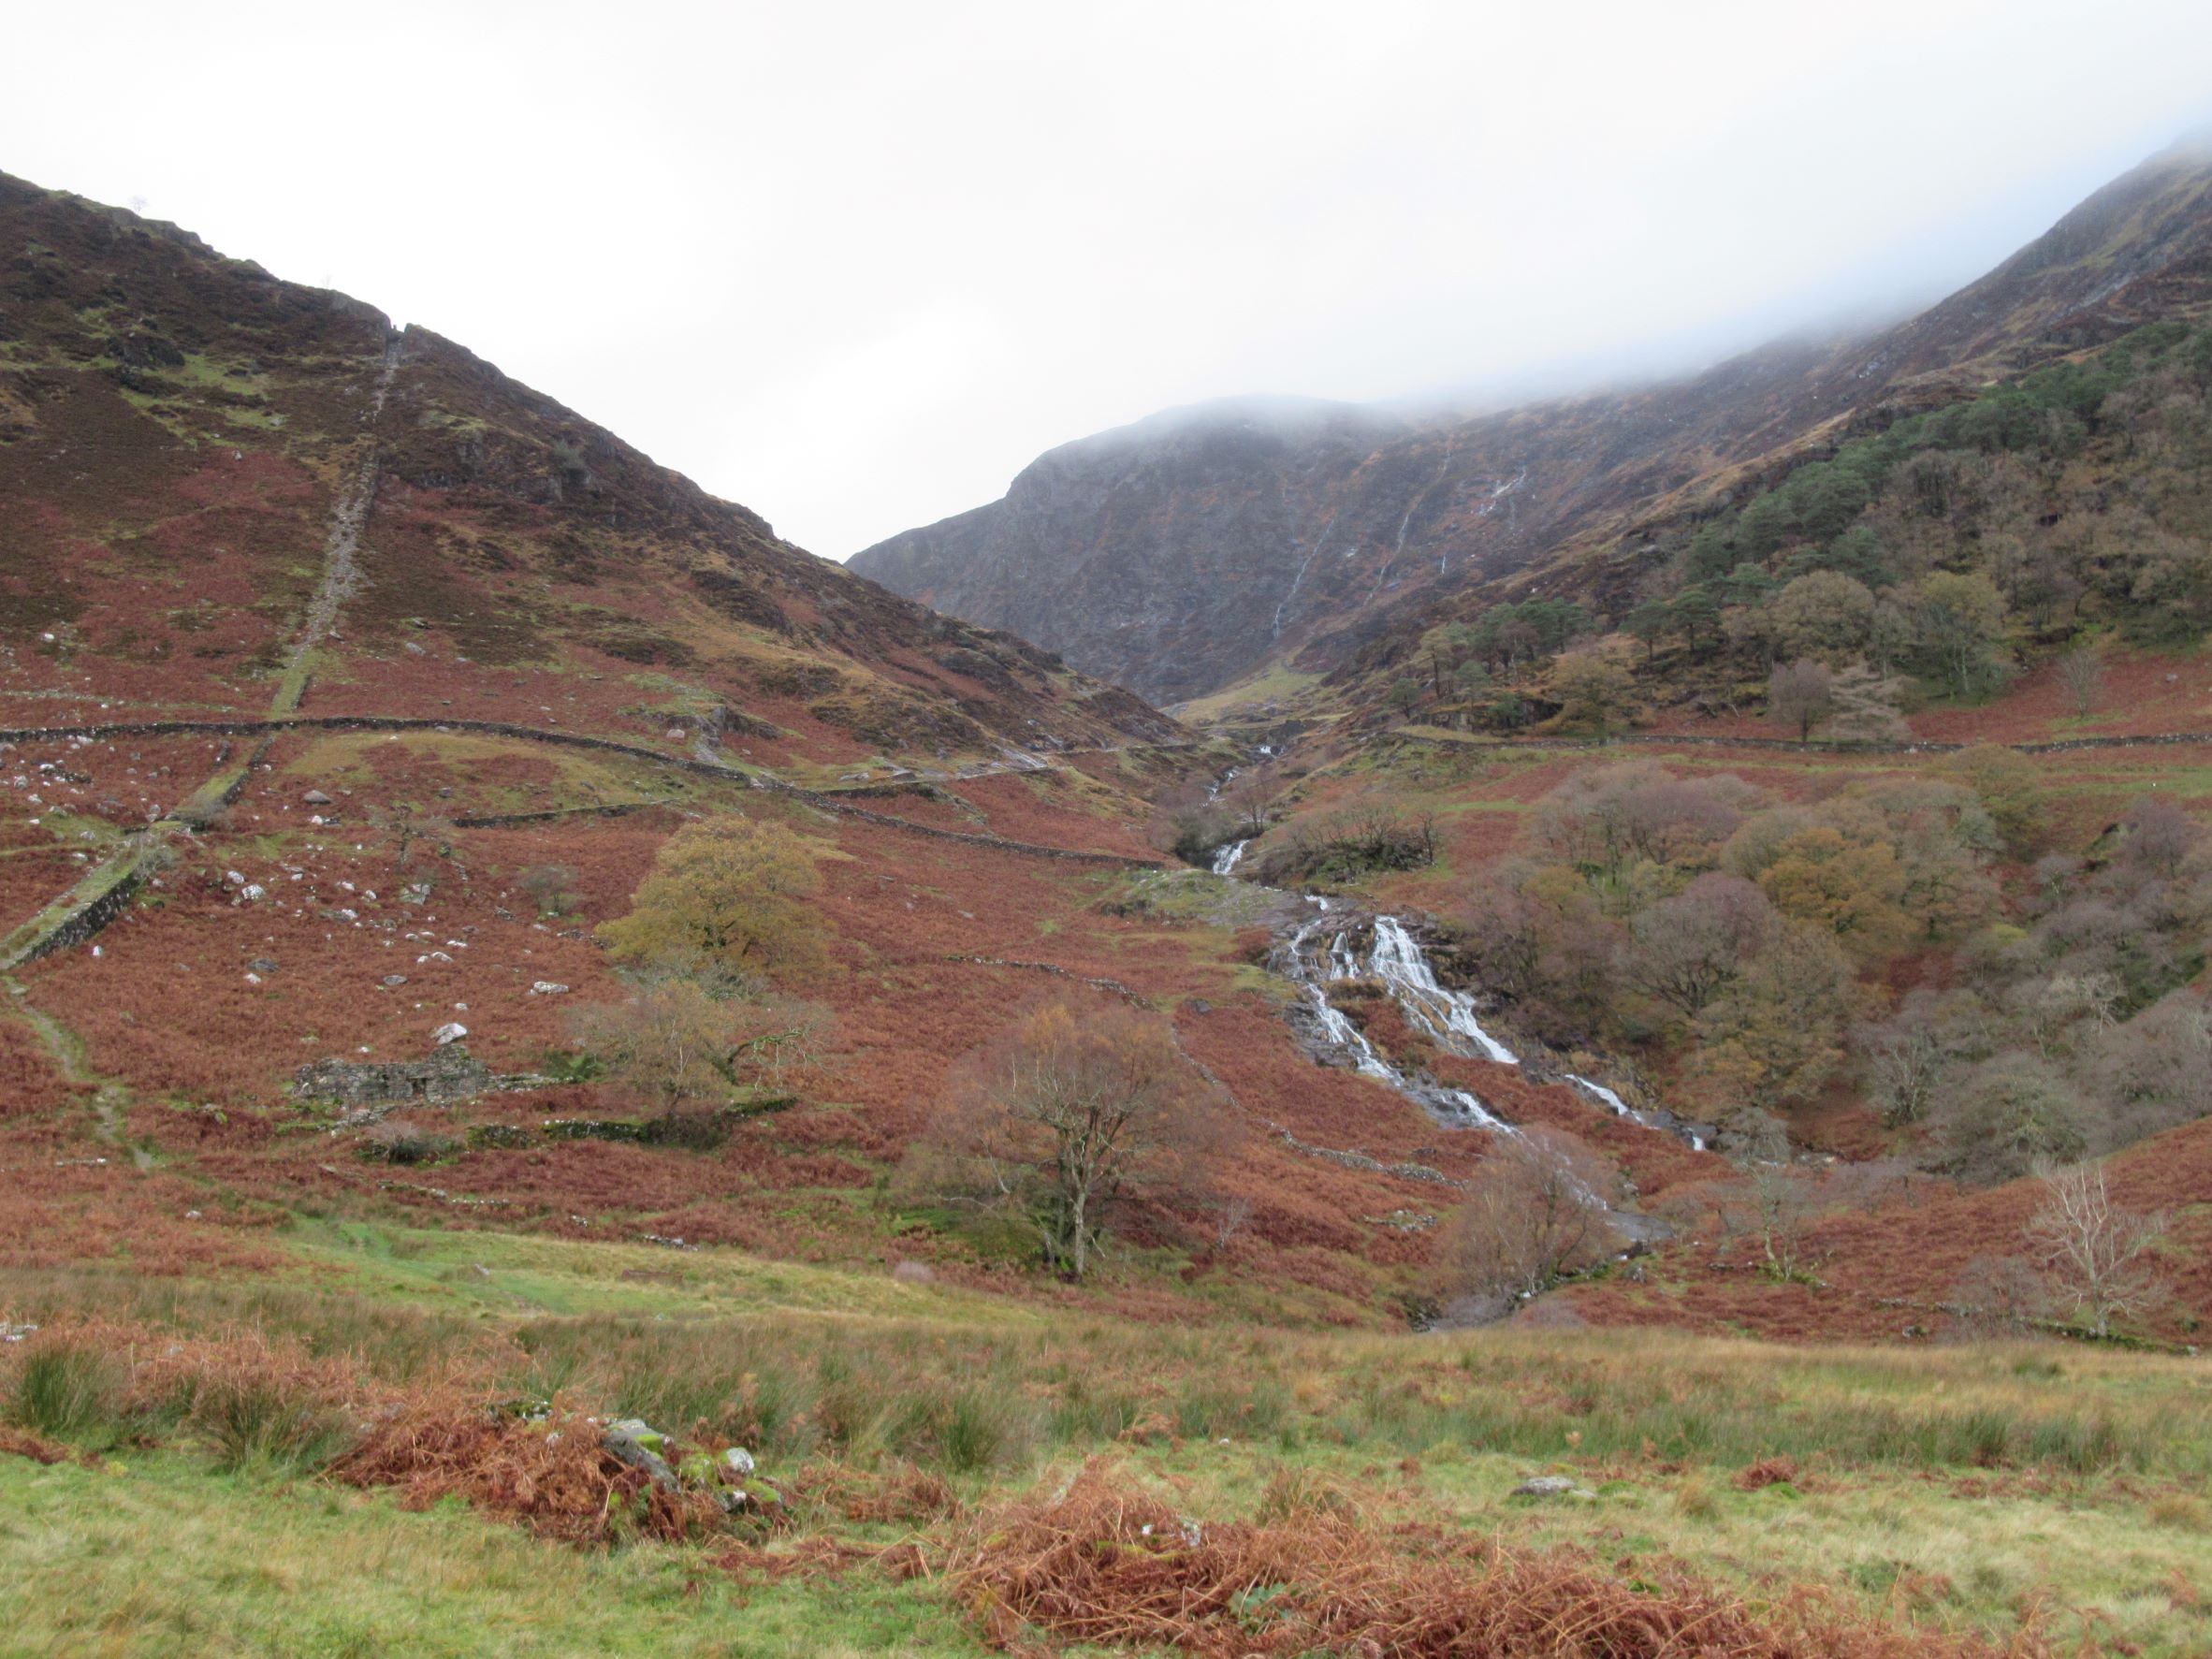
452 1031
316 797
639 1446
450 1074
263 965
1551 1486
548 988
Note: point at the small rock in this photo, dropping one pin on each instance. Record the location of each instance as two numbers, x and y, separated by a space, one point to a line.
633 1442
395 980
638 1429
738 1461
316 797
548 988
1551 1486
263 965
452 1031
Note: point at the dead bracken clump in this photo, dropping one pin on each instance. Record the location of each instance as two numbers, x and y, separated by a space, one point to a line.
900 1495
21 1443
1109 1564
1767 1472
552 1473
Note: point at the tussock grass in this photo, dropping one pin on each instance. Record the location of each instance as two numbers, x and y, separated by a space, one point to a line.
1961 1485
953 1395
71 1391
172 1560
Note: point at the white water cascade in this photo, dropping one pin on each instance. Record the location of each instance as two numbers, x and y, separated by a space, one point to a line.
1456 1106
1224 858
1449 1016
1619 1108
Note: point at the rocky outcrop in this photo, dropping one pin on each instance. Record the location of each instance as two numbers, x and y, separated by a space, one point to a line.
450 1073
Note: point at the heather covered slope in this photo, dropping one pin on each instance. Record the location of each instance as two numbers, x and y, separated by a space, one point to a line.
1193 551
198 459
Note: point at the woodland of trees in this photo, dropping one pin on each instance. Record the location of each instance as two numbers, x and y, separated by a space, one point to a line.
1930 560
1747 946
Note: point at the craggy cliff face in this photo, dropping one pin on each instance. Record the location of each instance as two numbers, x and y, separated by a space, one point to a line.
1183 553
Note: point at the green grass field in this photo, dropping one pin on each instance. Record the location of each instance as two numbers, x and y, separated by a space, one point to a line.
1958 1488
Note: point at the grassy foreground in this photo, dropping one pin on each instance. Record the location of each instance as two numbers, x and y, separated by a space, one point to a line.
2048 1489
160 1556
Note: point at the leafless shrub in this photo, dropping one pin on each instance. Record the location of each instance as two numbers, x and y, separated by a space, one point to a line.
1535 1212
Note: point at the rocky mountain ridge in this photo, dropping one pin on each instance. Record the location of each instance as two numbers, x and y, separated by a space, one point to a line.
1189 551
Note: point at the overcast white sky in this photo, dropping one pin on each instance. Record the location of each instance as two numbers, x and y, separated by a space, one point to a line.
855 265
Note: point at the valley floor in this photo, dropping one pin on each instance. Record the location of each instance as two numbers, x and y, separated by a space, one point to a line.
2039 1495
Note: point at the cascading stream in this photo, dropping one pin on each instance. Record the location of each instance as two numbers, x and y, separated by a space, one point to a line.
1449 1016
1455 1107
1665 1125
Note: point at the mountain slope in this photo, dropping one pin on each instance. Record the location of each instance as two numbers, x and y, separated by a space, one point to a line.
1188 551
230 493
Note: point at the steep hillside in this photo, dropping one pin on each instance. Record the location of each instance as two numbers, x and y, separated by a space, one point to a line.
1186 553
231 494
348 687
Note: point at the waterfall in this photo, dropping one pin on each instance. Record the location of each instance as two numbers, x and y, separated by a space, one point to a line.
1397 959
1399 962
1456 1106
1224 858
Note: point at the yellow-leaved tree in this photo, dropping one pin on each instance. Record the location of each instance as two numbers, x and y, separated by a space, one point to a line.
725 893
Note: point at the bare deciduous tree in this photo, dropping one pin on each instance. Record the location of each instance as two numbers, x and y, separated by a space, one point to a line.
408 823
1783 1202
1800 695
1906 1059
1065 1115
1692 947
2093 1250
680 1037
1534 1211
2082 676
